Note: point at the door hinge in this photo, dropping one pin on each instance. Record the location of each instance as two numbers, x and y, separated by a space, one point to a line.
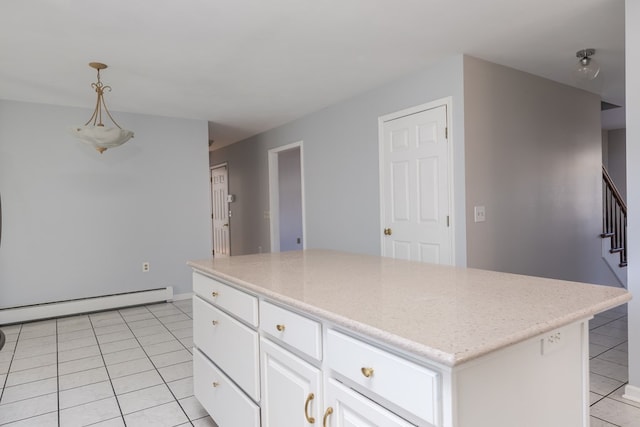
446 133
447 220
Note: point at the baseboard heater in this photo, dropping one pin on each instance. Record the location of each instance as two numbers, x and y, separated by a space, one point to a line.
48 310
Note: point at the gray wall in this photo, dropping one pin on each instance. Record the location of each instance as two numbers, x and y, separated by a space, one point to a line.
341 166
533 150
617 159
80 224
632 43
290 199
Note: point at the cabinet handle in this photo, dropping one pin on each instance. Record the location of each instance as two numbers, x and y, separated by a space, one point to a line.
310 420
215 384
280 328
214 294
328 412
214 322
367 372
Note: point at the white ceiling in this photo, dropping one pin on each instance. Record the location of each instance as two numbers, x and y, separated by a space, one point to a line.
250 65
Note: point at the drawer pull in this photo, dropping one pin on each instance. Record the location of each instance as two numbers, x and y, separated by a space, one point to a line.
328 412
280 328
214 294
367 372
310 420
215 384
214 322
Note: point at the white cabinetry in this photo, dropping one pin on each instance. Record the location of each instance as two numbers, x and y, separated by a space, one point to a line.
291 388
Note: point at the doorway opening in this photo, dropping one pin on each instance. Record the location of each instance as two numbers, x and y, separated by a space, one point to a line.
286 198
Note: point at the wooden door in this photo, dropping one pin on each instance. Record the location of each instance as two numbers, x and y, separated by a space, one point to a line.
220 211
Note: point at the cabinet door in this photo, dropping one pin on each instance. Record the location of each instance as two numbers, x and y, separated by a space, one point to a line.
291 388
351 409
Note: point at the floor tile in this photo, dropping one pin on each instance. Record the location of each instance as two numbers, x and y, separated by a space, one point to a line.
123 369
188 343
208 422
24 409
603 385
89 413
595 349
168 414
615 356
594 397
33 351
182 388
136 382
192 407
183 333
149 330
78 353
616 412
612 331
180 325
144 324
597 422
68 336
112 347
609 369
29 375
617 395
156 338
79 365
176 372
107 321
27 344
29 390
124 356
142 316
163 347
115 336
145 398
174 318
79 379
77 343
605 340
113 422
46 420
166 359
85 394
120 327
38 333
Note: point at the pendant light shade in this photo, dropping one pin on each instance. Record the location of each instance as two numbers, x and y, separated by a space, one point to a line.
588 68
94 132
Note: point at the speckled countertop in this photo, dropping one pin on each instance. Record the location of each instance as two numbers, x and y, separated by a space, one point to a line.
446 314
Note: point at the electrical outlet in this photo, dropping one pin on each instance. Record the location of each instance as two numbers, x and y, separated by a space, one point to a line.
145 267
479 214
551 342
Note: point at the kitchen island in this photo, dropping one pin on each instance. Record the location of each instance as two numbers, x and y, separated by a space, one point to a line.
341 338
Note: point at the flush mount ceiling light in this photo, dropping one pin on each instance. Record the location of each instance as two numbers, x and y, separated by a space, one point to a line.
588 68
94 132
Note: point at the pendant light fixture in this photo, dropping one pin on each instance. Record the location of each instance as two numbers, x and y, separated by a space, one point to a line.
94 132
588 68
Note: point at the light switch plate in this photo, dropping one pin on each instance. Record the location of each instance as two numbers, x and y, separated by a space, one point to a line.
479 214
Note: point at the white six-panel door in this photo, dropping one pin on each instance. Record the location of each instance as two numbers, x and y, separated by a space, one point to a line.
415 175
220 211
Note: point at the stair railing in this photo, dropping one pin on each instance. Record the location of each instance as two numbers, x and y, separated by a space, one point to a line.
614 217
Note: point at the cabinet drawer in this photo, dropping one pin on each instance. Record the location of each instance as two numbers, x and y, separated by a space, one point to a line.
229 344
240 304
226 403
410 386
298 331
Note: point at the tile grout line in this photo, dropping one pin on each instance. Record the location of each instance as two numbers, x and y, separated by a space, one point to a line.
57 375
152 363
104 363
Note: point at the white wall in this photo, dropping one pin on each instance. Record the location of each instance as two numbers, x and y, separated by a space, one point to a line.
534 156
617 159
632 49
341 166
78 224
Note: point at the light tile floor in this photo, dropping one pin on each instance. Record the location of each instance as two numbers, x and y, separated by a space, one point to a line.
129 367
132 367
608 351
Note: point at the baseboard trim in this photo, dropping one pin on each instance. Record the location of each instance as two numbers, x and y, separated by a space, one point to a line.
178 297
85 305
632 392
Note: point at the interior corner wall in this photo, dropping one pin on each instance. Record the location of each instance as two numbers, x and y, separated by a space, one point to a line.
632 53
617 159
341 166
534 155
78 224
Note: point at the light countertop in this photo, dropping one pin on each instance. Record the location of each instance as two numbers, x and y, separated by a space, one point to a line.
446 314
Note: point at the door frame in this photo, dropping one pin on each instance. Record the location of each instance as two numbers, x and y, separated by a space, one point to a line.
211 168
274 195
447 101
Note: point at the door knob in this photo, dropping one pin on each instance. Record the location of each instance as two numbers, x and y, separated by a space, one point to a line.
225 225
387 232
